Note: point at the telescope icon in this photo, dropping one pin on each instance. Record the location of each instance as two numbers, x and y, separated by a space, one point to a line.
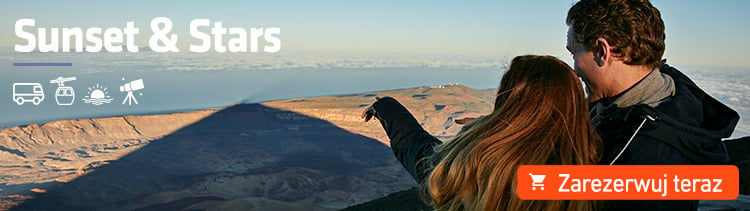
130 87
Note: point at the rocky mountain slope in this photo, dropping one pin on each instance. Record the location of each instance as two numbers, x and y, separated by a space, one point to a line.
298 154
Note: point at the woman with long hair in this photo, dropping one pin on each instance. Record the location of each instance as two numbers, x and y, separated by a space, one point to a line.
540 117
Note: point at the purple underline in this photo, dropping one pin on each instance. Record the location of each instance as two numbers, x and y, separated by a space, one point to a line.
42 64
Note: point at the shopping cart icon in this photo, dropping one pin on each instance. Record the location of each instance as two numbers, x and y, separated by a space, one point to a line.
537 181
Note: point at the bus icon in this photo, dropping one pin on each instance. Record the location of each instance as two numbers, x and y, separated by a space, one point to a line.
28 92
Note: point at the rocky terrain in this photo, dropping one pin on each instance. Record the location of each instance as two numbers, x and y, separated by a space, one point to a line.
298 154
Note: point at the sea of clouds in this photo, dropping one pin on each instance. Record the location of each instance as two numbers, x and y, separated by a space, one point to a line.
730 85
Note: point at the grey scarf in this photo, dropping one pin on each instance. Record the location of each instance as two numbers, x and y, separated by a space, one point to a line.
652 90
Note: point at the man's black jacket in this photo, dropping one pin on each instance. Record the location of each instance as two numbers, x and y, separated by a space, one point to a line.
686 129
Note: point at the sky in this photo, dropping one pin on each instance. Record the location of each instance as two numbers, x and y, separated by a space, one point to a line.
698 32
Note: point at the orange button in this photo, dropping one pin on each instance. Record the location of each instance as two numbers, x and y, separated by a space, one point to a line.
628 182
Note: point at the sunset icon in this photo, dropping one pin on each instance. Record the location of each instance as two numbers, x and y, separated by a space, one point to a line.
97 95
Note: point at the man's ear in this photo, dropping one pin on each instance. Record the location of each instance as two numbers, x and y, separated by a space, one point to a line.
602 53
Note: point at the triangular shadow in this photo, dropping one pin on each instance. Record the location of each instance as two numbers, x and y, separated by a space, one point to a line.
245 151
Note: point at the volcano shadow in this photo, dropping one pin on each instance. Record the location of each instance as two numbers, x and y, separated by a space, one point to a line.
240 152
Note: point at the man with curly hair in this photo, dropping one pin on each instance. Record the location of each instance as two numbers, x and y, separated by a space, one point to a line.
646 112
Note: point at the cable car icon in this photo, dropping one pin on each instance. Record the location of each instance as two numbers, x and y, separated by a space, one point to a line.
64 95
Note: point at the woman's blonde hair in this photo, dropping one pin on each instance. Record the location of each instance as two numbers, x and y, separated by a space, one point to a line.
540 117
